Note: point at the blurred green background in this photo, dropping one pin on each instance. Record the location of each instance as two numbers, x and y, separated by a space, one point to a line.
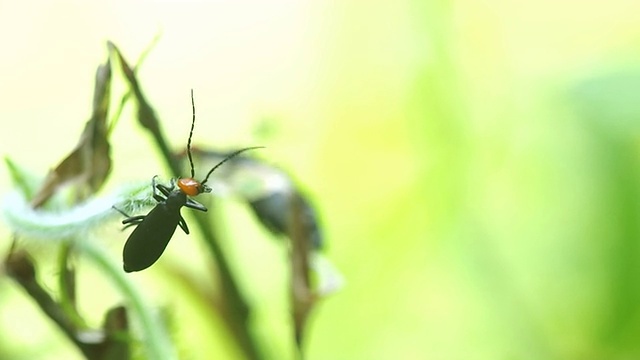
475 164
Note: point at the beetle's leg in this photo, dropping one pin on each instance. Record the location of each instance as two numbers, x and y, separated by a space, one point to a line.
183 225
133 220
163 189
130 220
195 205
155 186
120 211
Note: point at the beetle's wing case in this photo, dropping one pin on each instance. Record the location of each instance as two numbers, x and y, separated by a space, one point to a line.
149 239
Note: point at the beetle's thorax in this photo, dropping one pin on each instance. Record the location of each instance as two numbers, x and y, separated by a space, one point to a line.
176 200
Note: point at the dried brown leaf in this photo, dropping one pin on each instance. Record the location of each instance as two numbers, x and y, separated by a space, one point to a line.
89 163
303 296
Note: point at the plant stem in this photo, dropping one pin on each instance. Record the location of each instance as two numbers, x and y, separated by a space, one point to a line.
236 311
156 340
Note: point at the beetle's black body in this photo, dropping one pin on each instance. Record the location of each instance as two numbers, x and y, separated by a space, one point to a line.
158 226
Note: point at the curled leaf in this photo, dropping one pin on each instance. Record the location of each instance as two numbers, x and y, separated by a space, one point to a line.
268 191
280 206
89 162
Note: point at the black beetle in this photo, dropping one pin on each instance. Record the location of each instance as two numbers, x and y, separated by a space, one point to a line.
153 231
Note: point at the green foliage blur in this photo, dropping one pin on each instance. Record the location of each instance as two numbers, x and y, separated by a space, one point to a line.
475 164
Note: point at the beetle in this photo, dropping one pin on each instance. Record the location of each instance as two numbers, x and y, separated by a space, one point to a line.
153 231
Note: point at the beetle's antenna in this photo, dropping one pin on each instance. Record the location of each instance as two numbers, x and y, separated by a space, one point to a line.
228 158
193 122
